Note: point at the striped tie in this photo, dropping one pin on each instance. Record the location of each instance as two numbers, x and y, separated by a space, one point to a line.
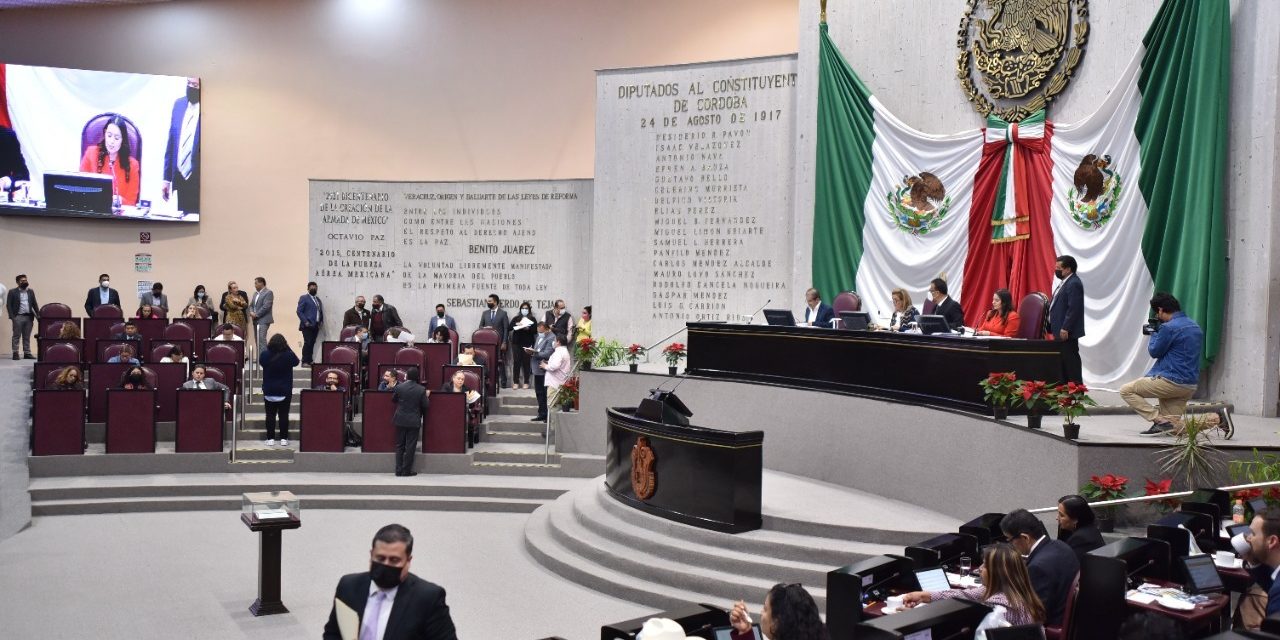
187 149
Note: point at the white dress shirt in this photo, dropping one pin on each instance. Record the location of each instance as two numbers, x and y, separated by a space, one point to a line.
386 608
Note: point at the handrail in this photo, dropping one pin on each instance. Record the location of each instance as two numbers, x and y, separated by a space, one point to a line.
649 349
1163 496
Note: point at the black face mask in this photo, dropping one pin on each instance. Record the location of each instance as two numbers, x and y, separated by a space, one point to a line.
385 576
311 291
22 286
491 305
155 292
359 305
439 314
1057 273
193 95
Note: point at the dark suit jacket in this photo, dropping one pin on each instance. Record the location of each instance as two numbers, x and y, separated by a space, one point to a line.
175 139
390 317
1262 575
356 317
1083 540
560 326
310 314
825 315
94 300
411 403
436 321
1067 309
419 611
12 304
1053 566
500 322
950 309
12 163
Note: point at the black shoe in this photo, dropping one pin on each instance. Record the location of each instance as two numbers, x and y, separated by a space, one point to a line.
15 356
538 419
1158 429
410 474
398 474
29 357
1224 422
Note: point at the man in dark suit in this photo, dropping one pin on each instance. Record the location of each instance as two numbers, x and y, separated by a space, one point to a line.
260 311
1052 564
357 315
1264 551
310 316
182 151
13 167
100 295
557 319
23 309
412 401
390 602
540 352
816 312
944 305
1066 317
384 317
441 318
496 318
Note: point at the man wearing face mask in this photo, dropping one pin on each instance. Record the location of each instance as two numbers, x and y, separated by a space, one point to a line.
384 317
260 311
557 320
356 316
391 603
182 151
496 318
441 318
100 295
156 298
310 315
1066 317
543 346
23 308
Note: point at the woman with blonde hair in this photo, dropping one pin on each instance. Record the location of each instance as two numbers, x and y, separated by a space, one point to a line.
234 302
69 378
1005 582
69 331
904 313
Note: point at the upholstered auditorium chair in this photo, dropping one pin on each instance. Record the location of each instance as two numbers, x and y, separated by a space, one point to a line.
1063 631
485 335
52 329
929 307
179 330
159 311
202 311
215 373
116 329
160 350
107 311
221 353
453 338
847 301
113 350
1031 313
152 378
411 357
347 355
55 310
347 332
63 352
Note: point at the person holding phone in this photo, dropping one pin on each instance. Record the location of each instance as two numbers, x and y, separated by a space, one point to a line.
789 614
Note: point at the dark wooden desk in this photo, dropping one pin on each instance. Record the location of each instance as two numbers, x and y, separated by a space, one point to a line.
1204 615
939 370
702 477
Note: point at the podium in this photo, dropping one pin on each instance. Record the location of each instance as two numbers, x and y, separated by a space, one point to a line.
702 477
379 434
269 514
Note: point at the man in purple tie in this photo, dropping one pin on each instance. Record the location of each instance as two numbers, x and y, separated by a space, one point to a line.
390 603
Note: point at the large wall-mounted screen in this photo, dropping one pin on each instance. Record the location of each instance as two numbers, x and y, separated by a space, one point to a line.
99 144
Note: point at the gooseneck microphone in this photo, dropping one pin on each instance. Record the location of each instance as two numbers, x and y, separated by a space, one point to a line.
753 313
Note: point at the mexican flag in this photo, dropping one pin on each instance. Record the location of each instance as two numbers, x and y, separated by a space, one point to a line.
1134 192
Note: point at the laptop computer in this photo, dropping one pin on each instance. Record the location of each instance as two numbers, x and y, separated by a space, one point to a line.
856 320
933 580
1202 574
932 324
779 317
86 192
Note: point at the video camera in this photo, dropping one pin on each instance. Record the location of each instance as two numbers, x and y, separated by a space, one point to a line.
1152 326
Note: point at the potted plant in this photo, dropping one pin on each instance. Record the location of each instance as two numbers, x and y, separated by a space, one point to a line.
1071 399
634 353
1159 488
1035 396
567 394
998 389
1107 487
585 350
673 353
1192 455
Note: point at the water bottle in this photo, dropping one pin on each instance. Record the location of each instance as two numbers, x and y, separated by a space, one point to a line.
1237 512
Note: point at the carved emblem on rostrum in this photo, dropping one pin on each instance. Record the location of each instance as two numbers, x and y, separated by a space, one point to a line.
644 474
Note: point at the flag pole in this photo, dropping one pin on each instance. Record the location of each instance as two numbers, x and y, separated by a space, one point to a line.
823 18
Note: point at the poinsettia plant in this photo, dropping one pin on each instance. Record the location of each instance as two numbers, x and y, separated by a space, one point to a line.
1159 488
634 353
674 353
1035 395
586 349
1107 487
1071 400
999 388
566 393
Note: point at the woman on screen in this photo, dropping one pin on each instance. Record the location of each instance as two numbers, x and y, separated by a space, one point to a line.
113 156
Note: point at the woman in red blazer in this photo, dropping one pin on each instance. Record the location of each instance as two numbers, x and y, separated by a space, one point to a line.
1001 320
113 156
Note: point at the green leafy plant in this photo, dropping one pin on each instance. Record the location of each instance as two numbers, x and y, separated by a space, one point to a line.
1071 400
674 353
998 389
634 353
1035 395
1192 456
608 353
1106 487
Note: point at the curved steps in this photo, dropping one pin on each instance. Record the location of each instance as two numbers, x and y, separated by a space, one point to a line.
590 538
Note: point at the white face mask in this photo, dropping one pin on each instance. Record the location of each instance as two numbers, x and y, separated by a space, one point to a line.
524 312
200 295
105 284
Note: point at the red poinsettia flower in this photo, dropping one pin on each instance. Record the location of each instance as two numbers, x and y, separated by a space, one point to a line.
635 350
1248 494
1111 482
1158 487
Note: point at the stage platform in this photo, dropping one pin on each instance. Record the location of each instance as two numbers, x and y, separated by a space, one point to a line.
955 462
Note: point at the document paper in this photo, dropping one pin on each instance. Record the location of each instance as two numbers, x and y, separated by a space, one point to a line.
348 620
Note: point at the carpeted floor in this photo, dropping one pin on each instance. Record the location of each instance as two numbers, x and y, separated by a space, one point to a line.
193 575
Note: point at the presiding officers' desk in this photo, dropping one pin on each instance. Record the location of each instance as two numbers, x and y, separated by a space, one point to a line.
928 369
702 477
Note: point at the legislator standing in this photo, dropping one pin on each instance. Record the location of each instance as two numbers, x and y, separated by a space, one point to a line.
412 400
1066 317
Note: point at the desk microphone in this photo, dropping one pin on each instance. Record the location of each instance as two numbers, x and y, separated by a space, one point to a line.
1129 576
753 313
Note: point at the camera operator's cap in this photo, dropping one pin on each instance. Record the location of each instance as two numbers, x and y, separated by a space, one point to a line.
662 629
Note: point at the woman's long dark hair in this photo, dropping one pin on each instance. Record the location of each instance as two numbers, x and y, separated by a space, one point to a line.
126 152
277 344
1006 305
795 614
1078 509
441 333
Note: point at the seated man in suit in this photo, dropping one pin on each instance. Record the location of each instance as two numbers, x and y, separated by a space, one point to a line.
390 602
470 356
944 305
130 333
198 381
1263 558
1052 564
816 312
126 355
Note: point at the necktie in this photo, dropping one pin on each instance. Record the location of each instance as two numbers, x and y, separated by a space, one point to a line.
186 149
370 630
200 385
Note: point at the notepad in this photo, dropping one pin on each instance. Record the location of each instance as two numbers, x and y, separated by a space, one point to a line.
348 620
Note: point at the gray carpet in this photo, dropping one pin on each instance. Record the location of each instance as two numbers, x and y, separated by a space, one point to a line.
193 575
15 502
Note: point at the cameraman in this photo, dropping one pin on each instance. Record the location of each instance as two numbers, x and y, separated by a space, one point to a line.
1175 343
